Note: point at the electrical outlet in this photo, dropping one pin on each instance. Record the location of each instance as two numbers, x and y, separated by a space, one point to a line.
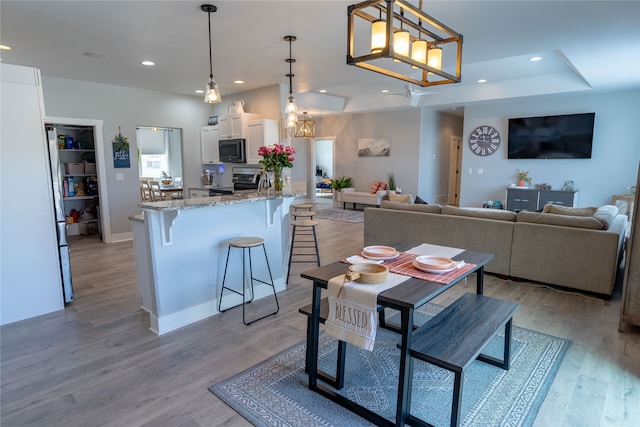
480 171
119 177
470 171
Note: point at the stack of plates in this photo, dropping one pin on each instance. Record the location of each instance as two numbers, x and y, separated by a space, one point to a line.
434 264
380 252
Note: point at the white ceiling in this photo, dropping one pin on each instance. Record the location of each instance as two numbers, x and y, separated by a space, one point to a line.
585 45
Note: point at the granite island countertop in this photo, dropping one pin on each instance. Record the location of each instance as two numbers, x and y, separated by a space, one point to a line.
291 189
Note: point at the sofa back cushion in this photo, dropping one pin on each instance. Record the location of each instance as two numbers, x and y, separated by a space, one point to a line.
565 210
589 222
435 209
484 213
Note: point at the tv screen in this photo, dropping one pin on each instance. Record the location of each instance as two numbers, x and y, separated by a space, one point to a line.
567 136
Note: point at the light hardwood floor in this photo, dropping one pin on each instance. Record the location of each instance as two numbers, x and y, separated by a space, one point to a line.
96 363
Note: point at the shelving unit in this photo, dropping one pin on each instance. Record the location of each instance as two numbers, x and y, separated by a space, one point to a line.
79 188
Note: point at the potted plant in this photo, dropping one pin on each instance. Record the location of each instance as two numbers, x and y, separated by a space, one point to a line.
522 177
338 184
391 181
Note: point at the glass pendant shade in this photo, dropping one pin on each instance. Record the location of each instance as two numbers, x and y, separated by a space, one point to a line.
434 58
378 35
401 43
212 93
419 51
292 119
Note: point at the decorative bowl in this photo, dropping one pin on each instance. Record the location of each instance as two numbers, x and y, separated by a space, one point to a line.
434 262
166 181
379 251
368 273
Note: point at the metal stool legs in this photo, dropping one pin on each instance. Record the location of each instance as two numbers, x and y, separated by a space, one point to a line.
305 224
247 287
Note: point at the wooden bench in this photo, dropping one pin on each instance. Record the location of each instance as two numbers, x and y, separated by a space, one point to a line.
456 336
338 380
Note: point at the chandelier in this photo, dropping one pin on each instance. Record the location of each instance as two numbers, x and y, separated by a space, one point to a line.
291 108
305 128
394 38
211 93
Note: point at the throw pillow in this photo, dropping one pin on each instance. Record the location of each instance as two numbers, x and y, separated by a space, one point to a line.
561 220
605 214
374 187
401 198
419 201
565 210
383 186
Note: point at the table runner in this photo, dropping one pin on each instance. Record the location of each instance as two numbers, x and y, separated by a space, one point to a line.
353 317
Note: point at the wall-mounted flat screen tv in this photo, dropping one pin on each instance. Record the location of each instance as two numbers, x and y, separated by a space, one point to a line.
567 136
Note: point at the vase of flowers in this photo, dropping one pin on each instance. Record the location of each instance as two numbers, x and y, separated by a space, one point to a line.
275 158
522 177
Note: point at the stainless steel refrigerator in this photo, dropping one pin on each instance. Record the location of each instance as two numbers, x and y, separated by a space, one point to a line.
58 208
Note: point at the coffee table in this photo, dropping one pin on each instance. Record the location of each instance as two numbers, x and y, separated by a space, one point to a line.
405 297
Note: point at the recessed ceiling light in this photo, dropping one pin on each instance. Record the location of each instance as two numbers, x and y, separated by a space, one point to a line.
4 47
148 63
482 81
385 91
93 55
535 58
238 82
322 91
199 91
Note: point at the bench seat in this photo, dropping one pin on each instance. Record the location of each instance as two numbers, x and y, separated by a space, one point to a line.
456 336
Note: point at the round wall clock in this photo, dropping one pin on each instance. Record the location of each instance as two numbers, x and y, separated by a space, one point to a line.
484 140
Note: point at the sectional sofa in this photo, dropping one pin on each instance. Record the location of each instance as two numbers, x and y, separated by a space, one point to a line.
579 248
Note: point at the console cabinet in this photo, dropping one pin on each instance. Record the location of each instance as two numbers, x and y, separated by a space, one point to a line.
520 199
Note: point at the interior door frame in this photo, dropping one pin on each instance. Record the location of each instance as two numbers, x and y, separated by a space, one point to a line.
311 178
455 169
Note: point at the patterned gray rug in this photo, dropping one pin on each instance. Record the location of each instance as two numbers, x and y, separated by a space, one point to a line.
275 393
340 215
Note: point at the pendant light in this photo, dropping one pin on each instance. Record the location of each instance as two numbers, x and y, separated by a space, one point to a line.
291 109
211 93
306 128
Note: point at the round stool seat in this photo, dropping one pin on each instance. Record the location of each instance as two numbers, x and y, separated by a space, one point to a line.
304 222
246 242
303 206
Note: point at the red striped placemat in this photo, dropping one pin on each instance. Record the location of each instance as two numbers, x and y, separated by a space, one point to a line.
404 265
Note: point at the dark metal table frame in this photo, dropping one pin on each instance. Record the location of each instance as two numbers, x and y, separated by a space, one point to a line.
405 297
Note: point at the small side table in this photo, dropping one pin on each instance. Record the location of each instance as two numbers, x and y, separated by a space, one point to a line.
627 202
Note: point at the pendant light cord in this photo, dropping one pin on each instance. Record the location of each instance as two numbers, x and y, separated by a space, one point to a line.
210 58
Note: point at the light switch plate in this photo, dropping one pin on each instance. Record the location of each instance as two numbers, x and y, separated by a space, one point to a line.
119 177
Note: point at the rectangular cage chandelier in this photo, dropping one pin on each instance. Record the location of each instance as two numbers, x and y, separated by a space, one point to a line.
398 39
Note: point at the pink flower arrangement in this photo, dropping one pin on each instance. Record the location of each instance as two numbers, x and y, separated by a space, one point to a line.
275 157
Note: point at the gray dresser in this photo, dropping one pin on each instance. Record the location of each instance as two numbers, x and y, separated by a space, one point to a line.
520 199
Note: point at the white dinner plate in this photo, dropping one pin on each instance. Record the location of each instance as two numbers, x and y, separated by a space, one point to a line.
429 270
394 256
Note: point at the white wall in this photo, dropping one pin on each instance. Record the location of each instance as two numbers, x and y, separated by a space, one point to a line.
402 127
30 283
615 155
130 107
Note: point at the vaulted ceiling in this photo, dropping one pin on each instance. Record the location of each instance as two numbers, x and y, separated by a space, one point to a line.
585 46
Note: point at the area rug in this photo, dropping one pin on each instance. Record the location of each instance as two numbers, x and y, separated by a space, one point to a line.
340 215
275 393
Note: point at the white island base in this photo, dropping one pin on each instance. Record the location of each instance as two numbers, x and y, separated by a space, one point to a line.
181 248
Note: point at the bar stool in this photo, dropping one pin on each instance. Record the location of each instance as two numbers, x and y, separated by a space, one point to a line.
303 214
301 228
303 206
247 243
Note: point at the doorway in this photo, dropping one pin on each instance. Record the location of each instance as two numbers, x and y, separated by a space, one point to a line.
159 153
455 166
322 171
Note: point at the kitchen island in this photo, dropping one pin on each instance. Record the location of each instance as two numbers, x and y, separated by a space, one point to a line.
181 246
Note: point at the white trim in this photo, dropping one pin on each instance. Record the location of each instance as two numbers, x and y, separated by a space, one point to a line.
101 166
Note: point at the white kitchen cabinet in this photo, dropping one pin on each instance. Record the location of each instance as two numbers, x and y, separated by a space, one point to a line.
209 137
234 126
259 133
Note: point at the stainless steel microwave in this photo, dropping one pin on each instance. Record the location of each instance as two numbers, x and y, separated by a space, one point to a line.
232 150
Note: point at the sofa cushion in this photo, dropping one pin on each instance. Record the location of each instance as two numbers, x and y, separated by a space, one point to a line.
435 209
605 214
401 198
565 210
484 213
561 220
